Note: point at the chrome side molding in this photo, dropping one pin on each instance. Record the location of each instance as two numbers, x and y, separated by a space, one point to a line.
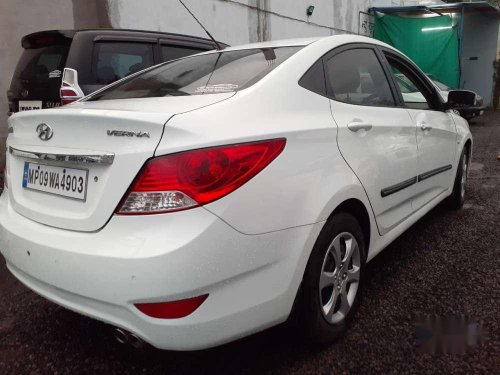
106 158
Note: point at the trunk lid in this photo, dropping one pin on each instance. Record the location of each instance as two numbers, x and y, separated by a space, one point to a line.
112 129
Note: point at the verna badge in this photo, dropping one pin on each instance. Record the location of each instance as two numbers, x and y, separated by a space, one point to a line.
44 131
123 133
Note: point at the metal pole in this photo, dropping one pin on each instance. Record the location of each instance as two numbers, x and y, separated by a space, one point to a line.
461 46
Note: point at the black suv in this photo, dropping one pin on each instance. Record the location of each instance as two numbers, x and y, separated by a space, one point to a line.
61 66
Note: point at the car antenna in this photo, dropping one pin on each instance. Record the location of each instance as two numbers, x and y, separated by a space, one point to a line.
218 46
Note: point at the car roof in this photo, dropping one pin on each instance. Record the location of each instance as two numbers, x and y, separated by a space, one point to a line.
298 42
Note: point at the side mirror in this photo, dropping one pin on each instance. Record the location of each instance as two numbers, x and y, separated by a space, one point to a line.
461 99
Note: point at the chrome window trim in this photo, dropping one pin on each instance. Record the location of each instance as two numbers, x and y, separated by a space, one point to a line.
105 158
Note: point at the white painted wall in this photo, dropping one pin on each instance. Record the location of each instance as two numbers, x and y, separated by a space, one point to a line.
480 41
243 21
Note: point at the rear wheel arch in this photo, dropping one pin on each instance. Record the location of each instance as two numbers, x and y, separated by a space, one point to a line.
357 209
348 218
468 147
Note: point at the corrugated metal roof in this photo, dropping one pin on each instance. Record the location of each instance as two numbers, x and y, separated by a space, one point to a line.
477 6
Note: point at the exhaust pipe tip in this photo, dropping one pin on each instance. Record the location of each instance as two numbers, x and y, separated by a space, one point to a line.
136 341
121 335
125 337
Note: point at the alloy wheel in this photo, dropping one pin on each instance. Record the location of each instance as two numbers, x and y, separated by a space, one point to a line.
339 279
463 182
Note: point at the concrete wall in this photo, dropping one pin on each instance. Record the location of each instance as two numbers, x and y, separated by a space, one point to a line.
498 43
480 41
243 21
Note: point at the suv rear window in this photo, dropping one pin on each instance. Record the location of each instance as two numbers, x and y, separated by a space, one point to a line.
115 60
40 64
171 52
202 74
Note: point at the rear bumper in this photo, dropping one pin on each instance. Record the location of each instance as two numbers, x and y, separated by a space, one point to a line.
251 280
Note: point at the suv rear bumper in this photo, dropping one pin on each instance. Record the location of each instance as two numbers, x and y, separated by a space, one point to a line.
251 280
471 112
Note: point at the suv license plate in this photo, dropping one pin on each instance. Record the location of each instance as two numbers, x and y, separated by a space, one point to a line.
28 105
66 182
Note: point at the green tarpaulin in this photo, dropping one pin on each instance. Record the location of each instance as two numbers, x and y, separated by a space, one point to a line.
431 42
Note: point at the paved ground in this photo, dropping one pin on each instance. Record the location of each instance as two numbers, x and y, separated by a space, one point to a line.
447 264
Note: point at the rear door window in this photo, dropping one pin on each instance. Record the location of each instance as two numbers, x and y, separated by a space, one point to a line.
172 52
115 60
356 76
41 64
217 72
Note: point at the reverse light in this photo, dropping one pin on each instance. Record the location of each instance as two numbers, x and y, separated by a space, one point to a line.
193 178
70 91
173 309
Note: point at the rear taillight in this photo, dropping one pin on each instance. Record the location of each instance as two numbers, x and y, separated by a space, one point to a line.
193 178
173 309
70 91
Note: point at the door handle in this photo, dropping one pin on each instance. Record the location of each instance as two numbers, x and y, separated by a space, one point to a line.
355 126
424 127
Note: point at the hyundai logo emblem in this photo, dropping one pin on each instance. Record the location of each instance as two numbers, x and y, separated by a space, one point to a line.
44 131
24 93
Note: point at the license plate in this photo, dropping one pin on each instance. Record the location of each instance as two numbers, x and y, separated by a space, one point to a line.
28 105
65 182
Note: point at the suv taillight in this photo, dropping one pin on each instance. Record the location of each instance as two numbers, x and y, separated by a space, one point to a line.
194 178
70 91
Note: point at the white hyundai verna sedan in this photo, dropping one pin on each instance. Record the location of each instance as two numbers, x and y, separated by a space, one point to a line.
207 198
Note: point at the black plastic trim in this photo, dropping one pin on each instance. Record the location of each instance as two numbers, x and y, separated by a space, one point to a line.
124 38
412 181
434 172
398 187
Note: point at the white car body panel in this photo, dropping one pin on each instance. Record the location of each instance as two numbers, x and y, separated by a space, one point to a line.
436 149
249 249
116 267
381 157
81 128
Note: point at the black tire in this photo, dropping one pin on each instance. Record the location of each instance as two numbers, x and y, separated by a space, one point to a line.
457 198
311 317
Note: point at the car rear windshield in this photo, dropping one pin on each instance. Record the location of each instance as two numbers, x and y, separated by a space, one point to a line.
42 63
201 74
